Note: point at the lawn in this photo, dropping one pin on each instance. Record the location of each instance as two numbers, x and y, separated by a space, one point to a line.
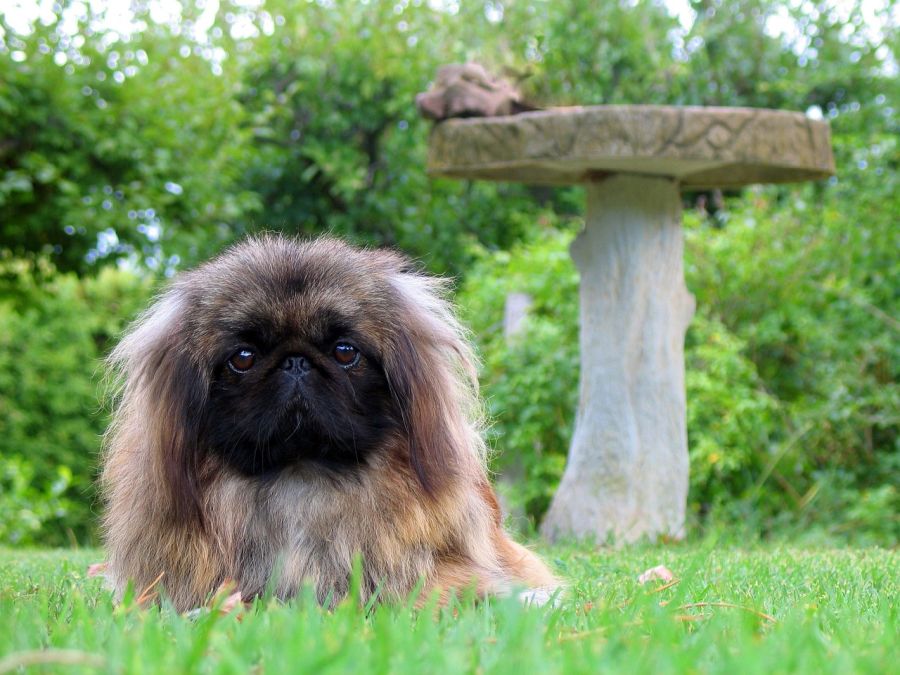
763 609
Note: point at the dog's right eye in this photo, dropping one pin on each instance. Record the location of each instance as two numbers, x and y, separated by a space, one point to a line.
242 360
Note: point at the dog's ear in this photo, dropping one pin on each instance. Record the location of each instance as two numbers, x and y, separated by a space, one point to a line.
161 405
432 376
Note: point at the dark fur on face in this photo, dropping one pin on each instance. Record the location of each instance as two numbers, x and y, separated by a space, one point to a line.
297 400
276 392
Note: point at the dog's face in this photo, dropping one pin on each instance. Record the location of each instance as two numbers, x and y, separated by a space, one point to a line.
294 354
280 352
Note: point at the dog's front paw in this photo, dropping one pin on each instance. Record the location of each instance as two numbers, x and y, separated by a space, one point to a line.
540 596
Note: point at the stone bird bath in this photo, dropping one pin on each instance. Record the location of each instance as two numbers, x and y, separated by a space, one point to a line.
627 471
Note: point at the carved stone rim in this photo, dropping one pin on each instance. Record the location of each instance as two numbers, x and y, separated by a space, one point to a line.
698 146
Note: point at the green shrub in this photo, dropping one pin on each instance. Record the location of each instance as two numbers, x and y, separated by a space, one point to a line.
733 423
809 290
56 330
28 505
531 384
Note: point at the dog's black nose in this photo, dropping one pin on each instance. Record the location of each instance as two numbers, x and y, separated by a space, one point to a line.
296 365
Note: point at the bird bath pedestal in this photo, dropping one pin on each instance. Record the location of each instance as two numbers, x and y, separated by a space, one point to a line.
627 471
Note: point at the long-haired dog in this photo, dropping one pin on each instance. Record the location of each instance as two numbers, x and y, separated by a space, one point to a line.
288 407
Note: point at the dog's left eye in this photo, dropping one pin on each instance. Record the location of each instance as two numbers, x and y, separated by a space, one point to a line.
345 354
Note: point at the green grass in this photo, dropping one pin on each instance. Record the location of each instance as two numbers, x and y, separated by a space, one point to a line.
835 610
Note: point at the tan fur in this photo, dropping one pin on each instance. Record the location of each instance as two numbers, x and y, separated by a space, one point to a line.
439 522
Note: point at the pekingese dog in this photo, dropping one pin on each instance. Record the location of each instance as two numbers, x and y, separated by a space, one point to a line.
289 406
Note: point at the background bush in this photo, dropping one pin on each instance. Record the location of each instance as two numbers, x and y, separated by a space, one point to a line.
56 329
127 154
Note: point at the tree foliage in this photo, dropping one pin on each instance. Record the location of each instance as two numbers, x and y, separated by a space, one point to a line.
113 148
150 147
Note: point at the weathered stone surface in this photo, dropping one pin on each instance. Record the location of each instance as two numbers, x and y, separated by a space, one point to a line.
469 90
699 147
627 474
